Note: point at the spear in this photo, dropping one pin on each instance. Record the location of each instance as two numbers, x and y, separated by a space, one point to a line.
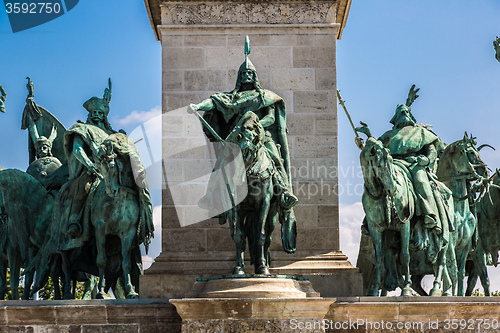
218 138
342 102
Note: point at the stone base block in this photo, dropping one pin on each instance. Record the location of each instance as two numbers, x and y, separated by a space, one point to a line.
254 286
331 274
249 314
414 314
131 316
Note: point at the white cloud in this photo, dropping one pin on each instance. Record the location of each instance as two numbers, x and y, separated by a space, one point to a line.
147 261
137 117
157 222
155 246
351 218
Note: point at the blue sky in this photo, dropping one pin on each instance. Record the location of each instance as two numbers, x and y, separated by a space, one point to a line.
443 47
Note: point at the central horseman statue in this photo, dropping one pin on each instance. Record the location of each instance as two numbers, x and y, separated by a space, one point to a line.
249 111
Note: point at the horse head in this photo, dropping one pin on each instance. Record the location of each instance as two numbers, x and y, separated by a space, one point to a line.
248 135
110 167
376 162
461 159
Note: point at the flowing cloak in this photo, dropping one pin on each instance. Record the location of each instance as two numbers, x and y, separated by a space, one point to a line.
71 204
229 110
408 140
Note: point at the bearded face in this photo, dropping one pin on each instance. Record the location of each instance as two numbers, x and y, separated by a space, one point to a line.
403 117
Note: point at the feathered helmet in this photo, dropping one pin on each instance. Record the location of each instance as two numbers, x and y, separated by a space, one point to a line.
412 96
100 103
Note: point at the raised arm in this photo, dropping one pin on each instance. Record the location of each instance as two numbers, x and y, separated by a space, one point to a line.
205 105
81 155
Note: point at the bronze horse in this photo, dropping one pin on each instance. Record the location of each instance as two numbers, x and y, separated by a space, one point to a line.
389 205
384 181
255 217
459 166
26 216
119 208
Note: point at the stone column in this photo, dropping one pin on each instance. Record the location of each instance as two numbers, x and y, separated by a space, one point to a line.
293 49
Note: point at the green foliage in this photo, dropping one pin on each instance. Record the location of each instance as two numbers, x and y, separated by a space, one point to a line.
46 293
476 293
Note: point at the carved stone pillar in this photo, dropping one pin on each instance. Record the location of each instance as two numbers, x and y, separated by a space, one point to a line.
293 49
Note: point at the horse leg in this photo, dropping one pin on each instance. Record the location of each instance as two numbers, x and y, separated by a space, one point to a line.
416 284
461 260
3 276
54 275
90 286
261 266
405 258
126 250
14 273
471 281
28 278
480 269
270 224
439 267
100 237
67 294
239 240
377 243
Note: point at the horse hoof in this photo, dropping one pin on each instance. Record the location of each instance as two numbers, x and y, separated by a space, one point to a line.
132 295
68 296
262 270
447 293
238 270
100 296
435 292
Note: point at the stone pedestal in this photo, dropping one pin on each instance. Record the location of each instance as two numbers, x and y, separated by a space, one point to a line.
293 49
253 286
249 314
